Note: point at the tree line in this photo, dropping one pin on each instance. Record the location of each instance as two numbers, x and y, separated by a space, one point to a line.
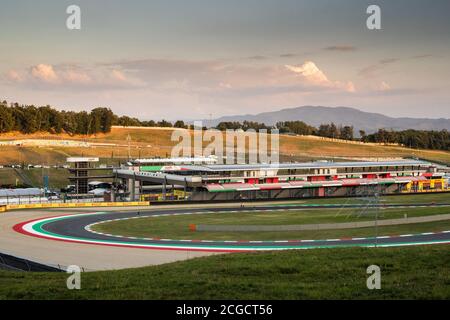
294 127
324 130
418 139
31 119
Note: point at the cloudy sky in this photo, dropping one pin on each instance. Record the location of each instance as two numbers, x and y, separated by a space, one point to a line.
194 59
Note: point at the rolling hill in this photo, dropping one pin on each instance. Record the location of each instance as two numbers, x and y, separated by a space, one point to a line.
151 142
360 120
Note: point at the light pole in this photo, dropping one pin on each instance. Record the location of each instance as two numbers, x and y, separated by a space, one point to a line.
377 210
129 146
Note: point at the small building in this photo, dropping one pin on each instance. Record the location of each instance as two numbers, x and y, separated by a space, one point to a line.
80 169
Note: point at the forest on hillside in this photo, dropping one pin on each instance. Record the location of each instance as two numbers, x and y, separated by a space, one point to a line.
417 139
30 119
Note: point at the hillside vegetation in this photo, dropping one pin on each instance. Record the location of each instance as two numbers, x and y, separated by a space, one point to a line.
151 142
406 273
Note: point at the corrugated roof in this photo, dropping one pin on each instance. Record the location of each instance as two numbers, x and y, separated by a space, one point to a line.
306 165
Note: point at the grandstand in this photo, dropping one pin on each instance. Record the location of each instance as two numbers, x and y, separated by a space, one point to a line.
280 181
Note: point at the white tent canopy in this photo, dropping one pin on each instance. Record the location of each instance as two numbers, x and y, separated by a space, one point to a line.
28 192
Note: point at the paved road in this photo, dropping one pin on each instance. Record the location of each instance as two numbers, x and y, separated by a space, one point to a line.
77 229
89 257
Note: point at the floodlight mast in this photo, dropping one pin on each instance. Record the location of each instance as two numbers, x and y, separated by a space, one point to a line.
373 193
129 146
377 210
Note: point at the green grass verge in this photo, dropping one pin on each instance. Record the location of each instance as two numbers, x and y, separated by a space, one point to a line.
406 273
9 177
394 199
58 178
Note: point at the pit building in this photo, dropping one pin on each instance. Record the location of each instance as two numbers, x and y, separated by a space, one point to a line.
200 179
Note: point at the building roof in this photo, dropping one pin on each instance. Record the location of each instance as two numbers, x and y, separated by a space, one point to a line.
306 165
82 159
181 160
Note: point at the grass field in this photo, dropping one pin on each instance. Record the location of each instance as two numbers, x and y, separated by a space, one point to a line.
406 273
177 227
394 199
9 177
157 142
58 178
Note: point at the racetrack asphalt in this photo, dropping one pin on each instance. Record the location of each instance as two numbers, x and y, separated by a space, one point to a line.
88 257
76 229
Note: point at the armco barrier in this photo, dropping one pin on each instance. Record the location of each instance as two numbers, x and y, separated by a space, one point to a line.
75 205
13 263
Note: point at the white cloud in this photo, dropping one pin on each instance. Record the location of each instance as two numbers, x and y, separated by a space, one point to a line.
310 71
313 75
44 72
118 75
72 77
76 76
14 76
350 87
384 86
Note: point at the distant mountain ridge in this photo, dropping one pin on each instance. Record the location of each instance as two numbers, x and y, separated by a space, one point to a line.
360 120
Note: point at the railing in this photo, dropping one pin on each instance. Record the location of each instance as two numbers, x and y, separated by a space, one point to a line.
13 263
9 200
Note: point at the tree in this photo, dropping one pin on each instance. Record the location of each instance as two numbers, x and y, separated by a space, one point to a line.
164 124
346 133
127 122
328 131
101 120
233 125
179 124
6 119
297 127
362 135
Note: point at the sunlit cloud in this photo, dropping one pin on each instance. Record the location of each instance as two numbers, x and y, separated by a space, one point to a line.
75 76
312 74
384 86
44 72
118 75
310 71
71 77
14 76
